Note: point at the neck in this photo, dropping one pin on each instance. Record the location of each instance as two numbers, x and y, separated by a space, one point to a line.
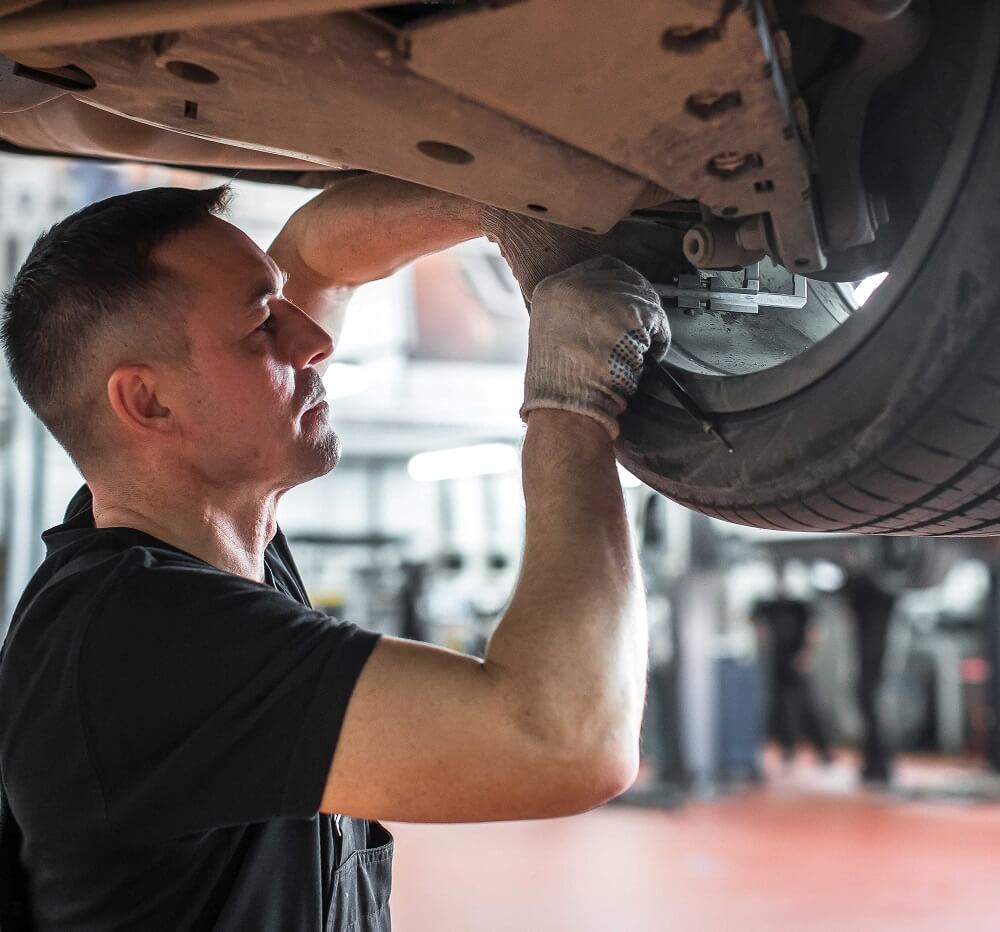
228 528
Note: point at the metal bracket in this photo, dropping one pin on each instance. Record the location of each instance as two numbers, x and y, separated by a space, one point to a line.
702 292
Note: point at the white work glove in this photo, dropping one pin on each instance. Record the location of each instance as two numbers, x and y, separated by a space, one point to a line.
535 249
592 328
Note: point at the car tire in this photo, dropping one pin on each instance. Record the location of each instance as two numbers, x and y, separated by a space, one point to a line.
900 435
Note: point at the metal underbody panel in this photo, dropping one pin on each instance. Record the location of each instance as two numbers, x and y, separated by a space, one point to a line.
575 110
333 90
686 93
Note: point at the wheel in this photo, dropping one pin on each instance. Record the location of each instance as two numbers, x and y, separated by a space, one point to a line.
883 419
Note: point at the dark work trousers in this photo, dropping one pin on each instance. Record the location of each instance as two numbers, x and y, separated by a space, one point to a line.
792 706
872 635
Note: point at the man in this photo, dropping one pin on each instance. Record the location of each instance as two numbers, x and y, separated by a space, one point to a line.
185 743
872 608
793 637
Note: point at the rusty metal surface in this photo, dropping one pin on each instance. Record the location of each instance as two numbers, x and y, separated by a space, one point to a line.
573 110
72 127
57 24
333 90
686 93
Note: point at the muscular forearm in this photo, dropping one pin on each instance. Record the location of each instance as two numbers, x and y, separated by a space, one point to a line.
367 227
573 644
362 229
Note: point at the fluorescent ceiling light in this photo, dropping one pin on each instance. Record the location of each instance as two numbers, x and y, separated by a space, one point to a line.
344 378
627 479
482 459
866 288
459 462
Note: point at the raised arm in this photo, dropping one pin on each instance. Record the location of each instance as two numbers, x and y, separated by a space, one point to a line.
548 723
362 229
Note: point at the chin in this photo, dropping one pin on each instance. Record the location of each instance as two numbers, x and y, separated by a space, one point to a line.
322 455
308 457
332 447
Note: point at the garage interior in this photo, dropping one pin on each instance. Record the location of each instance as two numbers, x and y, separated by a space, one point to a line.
418 532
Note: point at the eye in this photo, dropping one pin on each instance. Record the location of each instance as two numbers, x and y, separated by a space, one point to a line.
267 326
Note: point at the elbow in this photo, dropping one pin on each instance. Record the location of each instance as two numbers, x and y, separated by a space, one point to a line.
577 760
555 783
607 755
597 761
601 778
615 772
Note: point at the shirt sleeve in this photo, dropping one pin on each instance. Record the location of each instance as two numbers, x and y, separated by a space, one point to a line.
209 700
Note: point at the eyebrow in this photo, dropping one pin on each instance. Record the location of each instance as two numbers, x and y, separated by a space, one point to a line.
267 289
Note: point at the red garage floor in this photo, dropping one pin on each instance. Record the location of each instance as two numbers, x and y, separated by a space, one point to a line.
808 852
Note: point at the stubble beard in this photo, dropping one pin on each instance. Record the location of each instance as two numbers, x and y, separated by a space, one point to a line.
322 455
309 457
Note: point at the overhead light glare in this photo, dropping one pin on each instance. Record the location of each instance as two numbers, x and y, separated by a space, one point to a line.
866 287
481 459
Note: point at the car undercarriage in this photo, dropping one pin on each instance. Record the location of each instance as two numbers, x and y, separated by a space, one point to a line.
793 147
695 109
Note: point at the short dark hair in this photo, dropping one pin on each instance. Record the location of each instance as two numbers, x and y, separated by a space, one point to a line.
92 276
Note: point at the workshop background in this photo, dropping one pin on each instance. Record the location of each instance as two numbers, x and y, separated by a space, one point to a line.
418 533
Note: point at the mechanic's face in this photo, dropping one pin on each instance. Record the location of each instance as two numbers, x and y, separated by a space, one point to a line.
251 412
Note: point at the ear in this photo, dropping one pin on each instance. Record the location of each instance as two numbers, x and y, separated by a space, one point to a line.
132 394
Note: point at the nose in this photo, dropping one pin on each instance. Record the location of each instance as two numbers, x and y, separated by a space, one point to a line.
312 342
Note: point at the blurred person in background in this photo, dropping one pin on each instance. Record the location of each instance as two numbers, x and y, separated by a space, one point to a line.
872 608
787 625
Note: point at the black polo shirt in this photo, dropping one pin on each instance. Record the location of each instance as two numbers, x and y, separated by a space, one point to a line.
165 737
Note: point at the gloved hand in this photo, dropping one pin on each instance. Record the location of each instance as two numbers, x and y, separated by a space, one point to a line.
592 328
535 249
